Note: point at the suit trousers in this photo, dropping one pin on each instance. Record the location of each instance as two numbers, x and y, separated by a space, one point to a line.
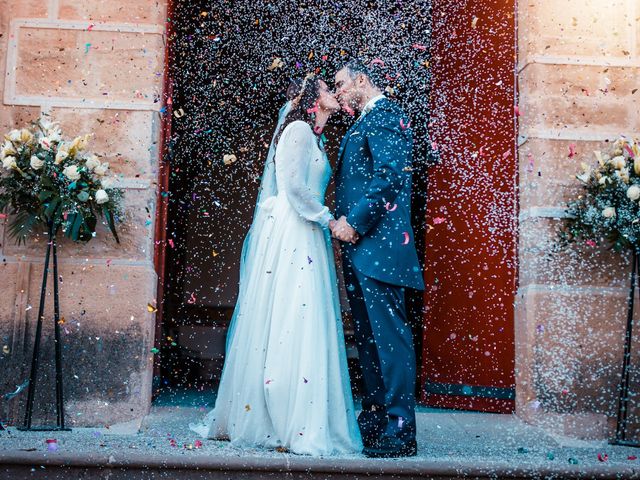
387 357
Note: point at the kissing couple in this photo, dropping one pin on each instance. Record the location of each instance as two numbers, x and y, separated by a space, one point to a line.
285 383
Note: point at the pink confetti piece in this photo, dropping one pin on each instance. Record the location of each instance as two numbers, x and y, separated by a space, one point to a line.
192 299
629 150
591 243
108 262
376 61
419 46
406 238
403 126
632 457
530 164
506 155
517 111
603 457
171 243
197 444
390 208
572 150
438 220
90 27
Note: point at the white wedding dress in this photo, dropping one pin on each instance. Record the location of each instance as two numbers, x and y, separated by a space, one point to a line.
285 381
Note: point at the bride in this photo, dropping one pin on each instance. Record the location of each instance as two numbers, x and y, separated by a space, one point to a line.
285 382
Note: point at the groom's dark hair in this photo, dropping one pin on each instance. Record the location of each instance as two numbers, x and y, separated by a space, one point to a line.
357 67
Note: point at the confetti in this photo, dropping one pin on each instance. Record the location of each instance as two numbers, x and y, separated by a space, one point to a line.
603 457
390 208
439 220
52 444
151 308
229 159
406 238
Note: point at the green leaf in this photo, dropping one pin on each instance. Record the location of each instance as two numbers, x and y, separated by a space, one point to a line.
22 226
112 226
75 229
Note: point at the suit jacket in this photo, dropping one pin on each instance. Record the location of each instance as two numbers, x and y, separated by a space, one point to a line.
373 190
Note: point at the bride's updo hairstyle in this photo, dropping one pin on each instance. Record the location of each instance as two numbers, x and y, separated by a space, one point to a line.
304 96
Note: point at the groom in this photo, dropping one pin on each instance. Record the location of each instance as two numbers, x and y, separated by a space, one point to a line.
373 191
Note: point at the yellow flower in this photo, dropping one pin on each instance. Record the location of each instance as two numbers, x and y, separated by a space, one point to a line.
79 144
26 136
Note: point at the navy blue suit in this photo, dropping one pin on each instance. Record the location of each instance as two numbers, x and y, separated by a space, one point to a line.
373 190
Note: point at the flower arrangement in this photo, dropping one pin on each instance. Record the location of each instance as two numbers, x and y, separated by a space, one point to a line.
608 210
47 179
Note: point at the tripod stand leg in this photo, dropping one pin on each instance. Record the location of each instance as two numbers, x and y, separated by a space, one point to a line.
623 401
58 344
36 344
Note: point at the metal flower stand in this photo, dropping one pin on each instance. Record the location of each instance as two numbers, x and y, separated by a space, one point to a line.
51 244
623 401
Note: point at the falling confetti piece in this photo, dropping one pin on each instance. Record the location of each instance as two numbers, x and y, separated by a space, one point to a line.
309 260
90 27
247 408
6 350
406 238
305 380
419 46
517 111
632 457
178 113
474 22
214 253
197 444
403 126
277 63
52 444
151 308
171 244
390 208
603 457
154 350
439 220
229 159
376 61
192 299
87 46
268 382
590 243
572 150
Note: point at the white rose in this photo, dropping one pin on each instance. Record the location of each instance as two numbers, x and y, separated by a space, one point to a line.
71 172
101 169
36 163
61 156
101 196
618 162
14 135
92 162
609 212
54 135
80 143
633 192
9 162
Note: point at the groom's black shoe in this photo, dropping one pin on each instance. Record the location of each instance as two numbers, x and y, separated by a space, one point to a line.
372 423
391 447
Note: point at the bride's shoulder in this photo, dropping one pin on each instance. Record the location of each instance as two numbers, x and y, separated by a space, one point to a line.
297 127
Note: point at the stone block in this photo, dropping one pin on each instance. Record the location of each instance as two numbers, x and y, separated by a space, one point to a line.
579 99
134 11
127 139
107 334
578 28
542 261
569 352
101 66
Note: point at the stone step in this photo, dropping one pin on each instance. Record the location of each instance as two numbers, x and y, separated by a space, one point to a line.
38 465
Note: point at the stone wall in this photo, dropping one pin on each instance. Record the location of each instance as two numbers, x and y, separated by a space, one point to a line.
579 66
94 66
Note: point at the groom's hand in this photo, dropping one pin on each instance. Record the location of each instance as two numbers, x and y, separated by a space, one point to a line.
343 231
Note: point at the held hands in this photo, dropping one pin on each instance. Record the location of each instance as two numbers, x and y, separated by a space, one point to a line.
341 230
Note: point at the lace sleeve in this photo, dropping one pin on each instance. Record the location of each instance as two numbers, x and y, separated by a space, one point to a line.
292 158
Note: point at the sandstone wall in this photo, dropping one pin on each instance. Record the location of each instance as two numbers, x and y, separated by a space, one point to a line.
95 66
579 65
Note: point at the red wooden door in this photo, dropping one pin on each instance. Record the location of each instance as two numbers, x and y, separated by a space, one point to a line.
468 343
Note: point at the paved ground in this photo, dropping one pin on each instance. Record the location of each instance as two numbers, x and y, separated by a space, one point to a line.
445 437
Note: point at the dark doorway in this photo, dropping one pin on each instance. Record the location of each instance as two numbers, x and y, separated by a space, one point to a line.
229 66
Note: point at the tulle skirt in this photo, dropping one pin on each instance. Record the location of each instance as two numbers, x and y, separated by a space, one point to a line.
285 381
